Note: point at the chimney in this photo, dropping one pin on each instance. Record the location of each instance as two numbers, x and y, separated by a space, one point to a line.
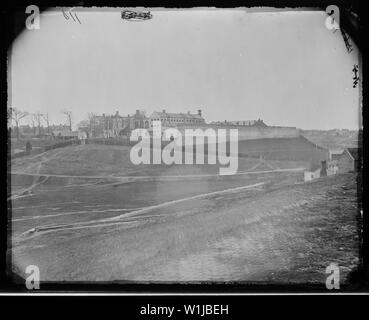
199 112
129 122
188 112
137 111
117 113
163 110
103 115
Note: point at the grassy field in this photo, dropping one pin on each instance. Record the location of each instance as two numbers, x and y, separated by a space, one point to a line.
117 221
104 160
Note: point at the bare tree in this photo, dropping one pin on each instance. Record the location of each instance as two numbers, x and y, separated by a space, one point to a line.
46 118
69 117
37 118
91 118
16 115
33 124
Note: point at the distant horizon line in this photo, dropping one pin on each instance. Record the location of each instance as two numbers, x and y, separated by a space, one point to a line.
147 113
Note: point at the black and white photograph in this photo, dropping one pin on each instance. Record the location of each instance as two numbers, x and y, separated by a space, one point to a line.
185 146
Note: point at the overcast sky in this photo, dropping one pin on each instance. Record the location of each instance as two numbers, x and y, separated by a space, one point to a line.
286 68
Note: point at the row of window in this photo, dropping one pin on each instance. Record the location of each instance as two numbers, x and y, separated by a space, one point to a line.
178 120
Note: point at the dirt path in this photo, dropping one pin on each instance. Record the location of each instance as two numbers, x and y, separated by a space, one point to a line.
121 218
39 179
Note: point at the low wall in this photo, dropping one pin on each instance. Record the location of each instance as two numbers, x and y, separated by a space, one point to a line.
246 133
252 133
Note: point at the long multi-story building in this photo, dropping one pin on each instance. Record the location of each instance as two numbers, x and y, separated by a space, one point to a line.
107 126
168 119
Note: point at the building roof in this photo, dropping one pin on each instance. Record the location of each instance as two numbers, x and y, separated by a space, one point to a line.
315 166
354 153
336 154
176 115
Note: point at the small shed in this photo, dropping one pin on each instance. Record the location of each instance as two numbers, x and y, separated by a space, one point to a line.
350 160
313 172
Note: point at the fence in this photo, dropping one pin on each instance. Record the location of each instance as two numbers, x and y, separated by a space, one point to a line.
43 149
